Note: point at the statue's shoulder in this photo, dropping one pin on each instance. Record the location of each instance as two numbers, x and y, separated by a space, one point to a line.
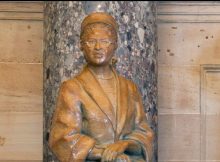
132 88
70 84
131 85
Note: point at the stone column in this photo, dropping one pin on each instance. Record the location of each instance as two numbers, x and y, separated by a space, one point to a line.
136 54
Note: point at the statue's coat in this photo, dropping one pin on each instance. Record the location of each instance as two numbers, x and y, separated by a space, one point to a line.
84 118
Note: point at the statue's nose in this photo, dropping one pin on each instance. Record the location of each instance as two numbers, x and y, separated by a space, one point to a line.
97 45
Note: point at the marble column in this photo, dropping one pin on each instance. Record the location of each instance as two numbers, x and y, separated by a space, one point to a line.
136 53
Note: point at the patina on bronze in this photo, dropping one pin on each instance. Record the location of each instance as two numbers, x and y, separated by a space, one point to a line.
99 114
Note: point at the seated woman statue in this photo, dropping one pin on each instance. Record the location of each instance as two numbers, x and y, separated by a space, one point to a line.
99 114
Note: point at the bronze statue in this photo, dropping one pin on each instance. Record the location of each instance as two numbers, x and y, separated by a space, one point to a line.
99 115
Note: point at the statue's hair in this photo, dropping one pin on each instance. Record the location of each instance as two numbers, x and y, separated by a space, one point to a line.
89 28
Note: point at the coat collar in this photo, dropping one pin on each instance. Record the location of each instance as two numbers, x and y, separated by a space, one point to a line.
95 91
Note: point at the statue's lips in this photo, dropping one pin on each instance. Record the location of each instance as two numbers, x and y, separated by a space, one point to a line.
98 55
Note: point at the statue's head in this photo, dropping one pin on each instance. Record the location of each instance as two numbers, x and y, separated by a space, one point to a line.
98 38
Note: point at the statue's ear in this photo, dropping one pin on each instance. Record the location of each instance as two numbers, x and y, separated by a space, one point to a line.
116 45
80 45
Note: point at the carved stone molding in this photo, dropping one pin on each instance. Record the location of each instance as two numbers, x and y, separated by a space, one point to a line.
189 12
21 11
205 70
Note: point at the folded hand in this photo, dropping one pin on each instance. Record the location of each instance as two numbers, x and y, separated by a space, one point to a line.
114 150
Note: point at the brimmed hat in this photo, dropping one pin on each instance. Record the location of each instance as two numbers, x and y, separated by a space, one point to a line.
99 17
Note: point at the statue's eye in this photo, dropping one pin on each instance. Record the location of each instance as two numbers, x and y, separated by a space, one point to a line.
105 42
91 42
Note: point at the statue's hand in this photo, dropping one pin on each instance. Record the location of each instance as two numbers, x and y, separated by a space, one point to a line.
113 150
123 158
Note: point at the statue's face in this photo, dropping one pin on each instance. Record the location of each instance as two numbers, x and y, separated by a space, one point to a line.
98 44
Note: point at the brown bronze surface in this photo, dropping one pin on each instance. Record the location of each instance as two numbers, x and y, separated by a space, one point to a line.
99 114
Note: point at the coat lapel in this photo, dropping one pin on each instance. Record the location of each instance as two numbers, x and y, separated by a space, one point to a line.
122 102
95 91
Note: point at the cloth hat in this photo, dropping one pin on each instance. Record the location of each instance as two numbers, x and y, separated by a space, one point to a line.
99 17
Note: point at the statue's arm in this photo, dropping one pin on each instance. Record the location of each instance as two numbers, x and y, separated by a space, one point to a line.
142 133
66 140
139 140
133 147
95 153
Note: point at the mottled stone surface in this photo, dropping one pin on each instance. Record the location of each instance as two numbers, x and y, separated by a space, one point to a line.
136 53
